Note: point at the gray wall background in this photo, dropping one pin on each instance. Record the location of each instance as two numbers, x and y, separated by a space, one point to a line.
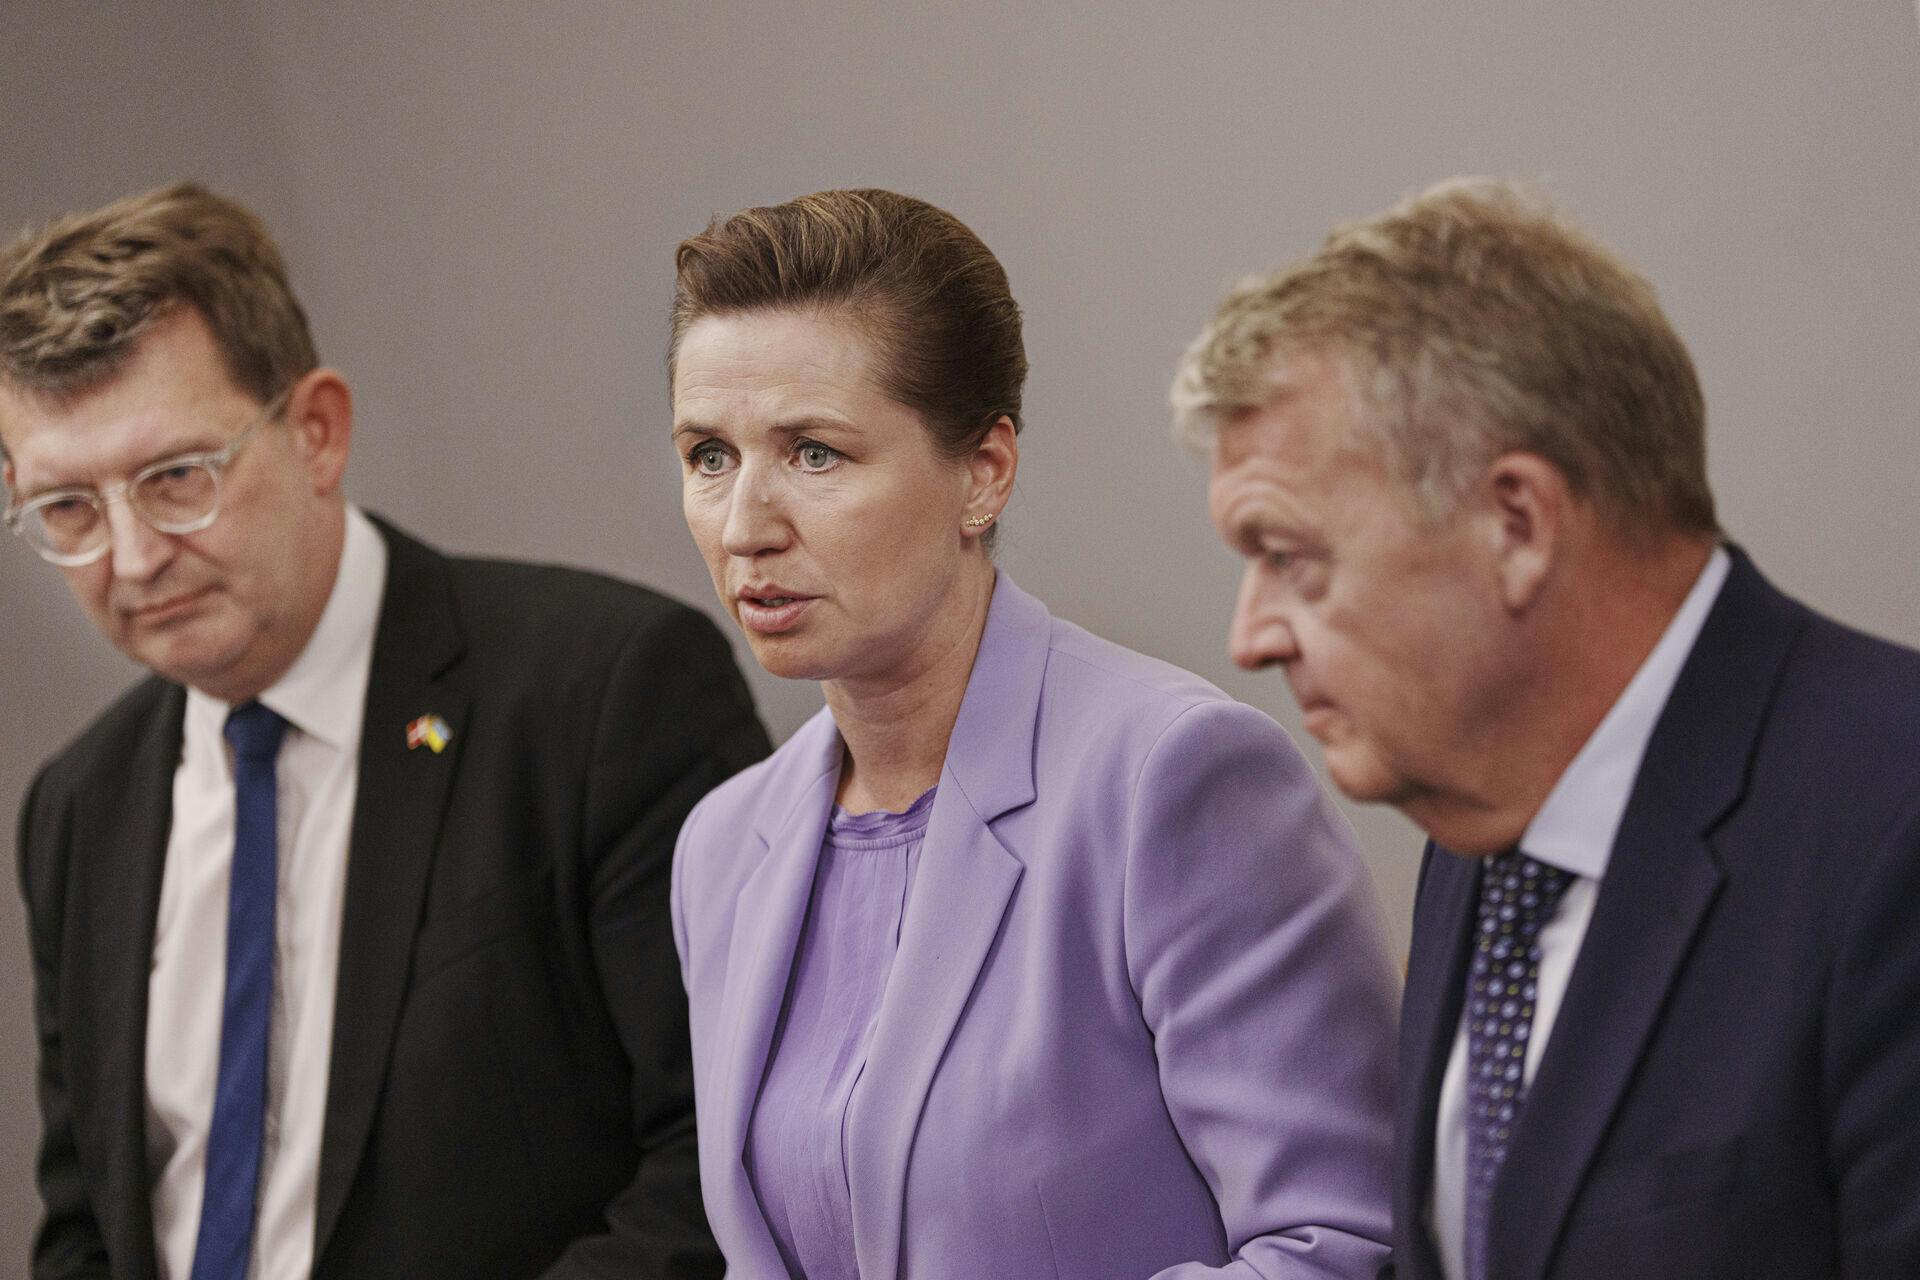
480 205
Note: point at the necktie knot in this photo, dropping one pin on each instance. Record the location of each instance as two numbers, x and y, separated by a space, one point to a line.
1519 893
254 731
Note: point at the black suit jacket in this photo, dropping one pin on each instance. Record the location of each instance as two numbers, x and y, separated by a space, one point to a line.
509 1093
1733 1079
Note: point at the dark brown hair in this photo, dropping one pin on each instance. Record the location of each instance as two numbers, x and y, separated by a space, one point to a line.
928 294
77 294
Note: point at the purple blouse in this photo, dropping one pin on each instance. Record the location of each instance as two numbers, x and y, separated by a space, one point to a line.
796 1149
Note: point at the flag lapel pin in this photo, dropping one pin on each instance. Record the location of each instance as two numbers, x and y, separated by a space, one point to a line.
431 732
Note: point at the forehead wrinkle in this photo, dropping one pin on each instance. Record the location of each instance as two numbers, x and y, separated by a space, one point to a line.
1265 492
1237 510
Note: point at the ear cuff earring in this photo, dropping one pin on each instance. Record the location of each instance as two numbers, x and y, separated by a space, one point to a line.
977 522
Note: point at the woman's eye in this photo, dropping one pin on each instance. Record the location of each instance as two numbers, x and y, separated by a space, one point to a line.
708 459
815 456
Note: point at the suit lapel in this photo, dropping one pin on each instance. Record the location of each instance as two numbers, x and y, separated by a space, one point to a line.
1660 885
960 897
119 855
768 916
1444 910
396 825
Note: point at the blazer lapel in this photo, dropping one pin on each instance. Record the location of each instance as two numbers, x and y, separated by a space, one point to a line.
768 916
1444 909
1660 885
396 825
960 896
119 853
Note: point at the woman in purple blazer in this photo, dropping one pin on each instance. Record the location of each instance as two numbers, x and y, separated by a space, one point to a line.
1028 956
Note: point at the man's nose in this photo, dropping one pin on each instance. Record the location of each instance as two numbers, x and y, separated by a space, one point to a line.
1261 635
137 550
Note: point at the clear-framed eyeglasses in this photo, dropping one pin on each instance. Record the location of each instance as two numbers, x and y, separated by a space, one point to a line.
180 494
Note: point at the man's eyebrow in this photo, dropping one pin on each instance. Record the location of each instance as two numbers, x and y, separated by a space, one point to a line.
1249 534
25 495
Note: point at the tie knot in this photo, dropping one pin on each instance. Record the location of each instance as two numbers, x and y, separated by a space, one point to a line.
1522 890
254 731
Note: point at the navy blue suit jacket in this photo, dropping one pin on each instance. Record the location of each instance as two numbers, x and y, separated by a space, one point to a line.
1732 1087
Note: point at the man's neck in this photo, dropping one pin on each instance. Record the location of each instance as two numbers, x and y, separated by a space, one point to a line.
319 578
1593 629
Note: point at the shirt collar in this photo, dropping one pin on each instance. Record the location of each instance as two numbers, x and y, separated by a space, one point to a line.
323 694
1575 828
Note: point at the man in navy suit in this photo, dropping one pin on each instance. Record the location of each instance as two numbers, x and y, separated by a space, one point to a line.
1663 1005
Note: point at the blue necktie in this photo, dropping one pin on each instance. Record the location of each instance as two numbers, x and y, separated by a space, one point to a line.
225 1240
1517 897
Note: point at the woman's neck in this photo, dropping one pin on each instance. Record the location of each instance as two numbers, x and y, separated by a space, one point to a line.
896 730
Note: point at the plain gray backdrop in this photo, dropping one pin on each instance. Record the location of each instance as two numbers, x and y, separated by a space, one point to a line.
480 204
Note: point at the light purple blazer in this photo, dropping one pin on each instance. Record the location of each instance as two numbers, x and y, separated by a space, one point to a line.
1141 1019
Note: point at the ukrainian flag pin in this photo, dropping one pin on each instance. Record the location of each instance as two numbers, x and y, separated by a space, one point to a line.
431 732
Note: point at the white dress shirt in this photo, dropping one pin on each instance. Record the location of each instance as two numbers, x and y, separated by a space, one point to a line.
1574 831
322 698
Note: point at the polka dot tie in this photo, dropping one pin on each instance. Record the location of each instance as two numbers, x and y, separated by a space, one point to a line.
1517 897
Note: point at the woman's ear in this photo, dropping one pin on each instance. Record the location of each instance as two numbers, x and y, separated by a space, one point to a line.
990 472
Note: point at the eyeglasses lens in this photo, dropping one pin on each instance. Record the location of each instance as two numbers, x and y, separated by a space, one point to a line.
177 496
66 527
175 499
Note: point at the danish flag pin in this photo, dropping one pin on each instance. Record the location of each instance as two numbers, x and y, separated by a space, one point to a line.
431 732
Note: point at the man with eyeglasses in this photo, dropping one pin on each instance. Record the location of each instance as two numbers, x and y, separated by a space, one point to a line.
349 927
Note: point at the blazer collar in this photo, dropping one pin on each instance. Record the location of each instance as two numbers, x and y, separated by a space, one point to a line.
991 751
119 852
990 754
397 815
961 893
1443 913
1663 877
769 912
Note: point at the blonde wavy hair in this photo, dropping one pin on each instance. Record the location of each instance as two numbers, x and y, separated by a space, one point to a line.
1474 319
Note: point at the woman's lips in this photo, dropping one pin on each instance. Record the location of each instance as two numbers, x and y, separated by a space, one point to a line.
771 614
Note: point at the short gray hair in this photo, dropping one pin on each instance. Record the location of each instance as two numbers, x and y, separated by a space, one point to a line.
1475 318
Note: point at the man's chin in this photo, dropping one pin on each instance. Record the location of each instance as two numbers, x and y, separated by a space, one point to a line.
184 657
1361 776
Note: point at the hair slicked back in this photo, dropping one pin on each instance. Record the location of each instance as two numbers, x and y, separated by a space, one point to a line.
928 294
